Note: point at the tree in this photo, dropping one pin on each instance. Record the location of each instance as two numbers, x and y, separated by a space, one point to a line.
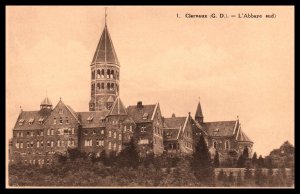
260 162
243 158
201 162
254 159
129 156
216 160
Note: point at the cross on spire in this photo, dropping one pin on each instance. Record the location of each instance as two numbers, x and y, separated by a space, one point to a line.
105 15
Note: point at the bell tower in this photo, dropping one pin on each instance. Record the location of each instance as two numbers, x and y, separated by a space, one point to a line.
105 74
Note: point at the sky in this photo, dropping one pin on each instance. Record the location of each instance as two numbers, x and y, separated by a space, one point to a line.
236 66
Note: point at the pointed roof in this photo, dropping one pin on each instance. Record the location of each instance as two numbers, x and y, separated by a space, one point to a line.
241 136
118 108
105 52
198 111
46 101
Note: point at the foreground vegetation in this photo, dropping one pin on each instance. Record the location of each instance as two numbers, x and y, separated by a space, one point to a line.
128 170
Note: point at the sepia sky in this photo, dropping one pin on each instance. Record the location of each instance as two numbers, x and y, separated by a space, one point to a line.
236 66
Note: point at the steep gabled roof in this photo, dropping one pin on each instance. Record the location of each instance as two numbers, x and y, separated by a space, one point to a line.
105 52
92 119
137 113
32 115
174 122
241 136
219 128
172 127
118 108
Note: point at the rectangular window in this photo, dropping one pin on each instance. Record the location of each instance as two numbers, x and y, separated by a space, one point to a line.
94 132
21 134
109 145
37 144
52 143
102 131
143 141
143 129
18 134
120 136
67 120
21 144
60 120
42 143
130 128
31 134
124 128
54 121
109 133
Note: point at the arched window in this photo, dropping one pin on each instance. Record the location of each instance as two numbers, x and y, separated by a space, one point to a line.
115 135
215 144
93 74
102 73
98 86
120 136
108 73
227 145
112 74
108 86
102 86
115 146
98 73
109 133
37 144
112 86
93 87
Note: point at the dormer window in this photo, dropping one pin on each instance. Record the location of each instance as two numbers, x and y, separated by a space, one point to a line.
41 120
21 121
90 119
145 116
30 121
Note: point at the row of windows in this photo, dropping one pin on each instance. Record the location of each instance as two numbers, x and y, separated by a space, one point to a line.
109 86
115 135
109 74
60 143
30 133
61 131
61 120
94 132
39 161
114 146
89 142
227 144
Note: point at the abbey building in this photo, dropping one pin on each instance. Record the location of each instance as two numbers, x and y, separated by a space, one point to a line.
109 124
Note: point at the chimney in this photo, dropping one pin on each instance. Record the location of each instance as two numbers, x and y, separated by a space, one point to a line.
139 104
173 115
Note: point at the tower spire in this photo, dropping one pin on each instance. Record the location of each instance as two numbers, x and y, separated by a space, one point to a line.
199 115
